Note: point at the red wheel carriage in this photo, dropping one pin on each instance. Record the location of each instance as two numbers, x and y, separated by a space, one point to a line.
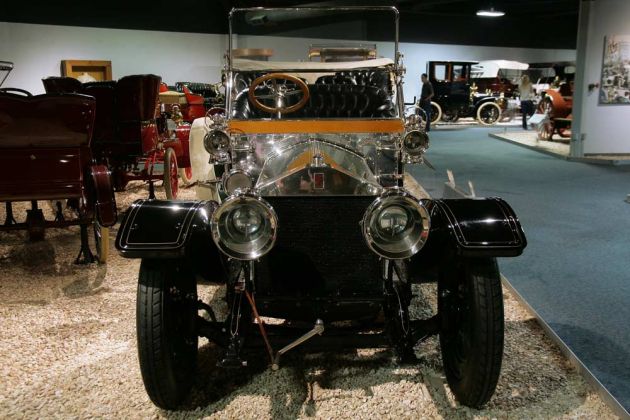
556 106
131 135
46 139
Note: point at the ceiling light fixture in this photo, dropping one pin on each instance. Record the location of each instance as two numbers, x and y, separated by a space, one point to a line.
490 12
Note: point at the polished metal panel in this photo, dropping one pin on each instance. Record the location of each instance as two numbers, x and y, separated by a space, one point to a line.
316 167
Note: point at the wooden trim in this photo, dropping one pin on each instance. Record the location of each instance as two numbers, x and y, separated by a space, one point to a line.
315 126
105 67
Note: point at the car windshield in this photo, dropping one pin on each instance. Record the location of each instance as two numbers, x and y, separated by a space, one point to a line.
284 64
5 69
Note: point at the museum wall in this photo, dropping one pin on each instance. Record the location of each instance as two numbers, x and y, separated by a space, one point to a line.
604 126
37 51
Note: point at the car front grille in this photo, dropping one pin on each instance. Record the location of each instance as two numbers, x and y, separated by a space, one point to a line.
320 251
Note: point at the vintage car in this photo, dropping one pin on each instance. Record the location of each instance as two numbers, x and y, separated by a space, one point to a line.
131 134
453 97
496 77
556 105
45 156
313 234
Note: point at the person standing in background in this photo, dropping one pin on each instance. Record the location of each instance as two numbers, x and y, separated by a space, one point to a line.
527 98
425 98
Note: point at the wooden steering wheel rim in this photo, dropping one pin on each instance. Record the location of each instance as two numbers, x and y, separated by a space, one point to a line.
284 110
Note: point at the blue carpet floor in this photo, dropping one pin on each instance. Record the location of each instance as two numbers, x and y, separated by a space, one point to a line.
575 271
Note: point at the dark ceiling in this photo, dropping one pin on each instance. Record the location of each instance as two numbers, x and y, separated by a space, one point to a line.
527 23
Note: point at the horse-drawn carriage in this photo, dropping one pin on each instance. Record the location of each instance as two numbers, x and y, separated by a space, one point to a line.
131 135
45 155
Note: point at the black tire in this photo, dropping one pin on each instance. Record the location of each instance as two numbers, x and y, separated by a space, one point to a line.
450 116
470 302
488 113
167 340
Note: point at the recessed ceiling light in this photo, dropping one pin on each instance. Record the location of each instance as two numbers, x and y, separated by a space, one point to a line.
490 12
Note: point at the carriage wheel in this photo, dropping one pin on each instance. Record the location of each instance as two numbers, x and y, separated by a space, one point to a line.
101 240
186 175
545 130
450 115
488 113
171 177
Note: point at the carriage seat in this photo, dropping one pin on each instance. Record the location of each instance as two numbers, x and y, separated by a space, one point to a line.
326 101
64 84
44 121
375 78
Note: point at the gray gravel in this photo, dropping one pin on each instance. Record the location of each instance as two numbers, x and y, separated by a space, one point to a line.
67 345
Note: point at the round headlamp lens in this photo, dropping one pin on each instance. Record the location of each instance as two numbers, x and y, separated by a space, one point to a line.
247 220
244 227
416 142
216 141
392 221
396 225
236 180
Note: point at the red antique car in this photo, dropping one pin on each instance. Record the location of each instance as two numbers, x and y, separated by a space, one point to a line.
556 105
46 140
131 135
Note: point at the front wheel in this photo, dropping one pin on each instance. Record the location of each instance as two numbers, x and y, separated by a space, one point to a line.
186 175
470 303
488 113
171 174
166 313
101 240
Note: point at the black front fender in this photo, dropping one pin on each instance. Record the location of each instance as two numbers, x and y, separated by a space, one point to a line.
470 227
162 229
480 227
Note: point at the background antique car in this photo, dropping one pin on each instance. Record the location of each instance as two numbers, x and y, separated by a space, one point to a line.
556 105
131 136
313 226
454 97
496 77
45 155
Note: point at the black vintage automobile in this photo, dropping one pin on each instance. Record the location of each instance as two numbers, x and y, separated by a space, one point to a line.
312 226
454 98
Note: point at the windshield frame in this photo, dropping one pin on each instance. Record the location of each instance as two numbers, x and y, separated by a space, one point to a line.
229 64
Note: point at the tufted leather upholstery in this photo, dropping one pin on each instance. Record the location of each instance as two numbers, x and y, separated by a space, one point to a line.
326 101
376 78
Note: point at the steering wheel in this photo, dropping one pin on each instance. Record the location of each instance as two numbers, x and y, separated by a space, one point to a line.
22 91
278 93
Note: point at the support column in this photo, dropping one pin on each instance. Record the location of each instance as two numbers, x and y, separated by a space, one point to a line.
576 148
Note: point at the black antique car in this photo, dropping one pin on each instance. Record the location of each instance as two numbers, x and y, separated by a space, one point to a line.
311 226
454 98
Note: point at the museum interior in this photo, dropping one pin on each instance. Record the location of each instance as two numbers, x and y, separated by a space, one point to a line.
463 249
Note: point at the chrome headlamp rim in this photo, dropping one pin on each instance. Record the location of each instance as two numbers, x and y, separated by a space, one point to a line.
419 150
227 175
400 197
210 147
229 205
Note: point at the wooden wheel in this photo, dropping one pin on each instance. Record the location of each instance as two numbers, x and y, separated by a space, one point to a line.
101 241
545 130
171 176
186 175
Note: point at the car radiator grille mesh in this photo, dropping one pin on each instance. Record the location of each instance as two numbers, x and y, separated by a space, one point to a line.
320 251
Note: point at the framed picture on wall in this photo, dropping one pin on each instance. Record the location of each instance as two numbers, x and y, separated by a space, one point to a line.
88 70
615 83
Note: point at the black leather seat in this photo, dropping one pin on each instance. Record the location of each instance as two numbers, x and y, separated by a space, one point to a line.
375 78
325 101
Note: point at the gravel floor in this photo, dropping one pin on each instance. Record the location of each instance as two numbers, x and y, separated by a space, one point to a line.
67 346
